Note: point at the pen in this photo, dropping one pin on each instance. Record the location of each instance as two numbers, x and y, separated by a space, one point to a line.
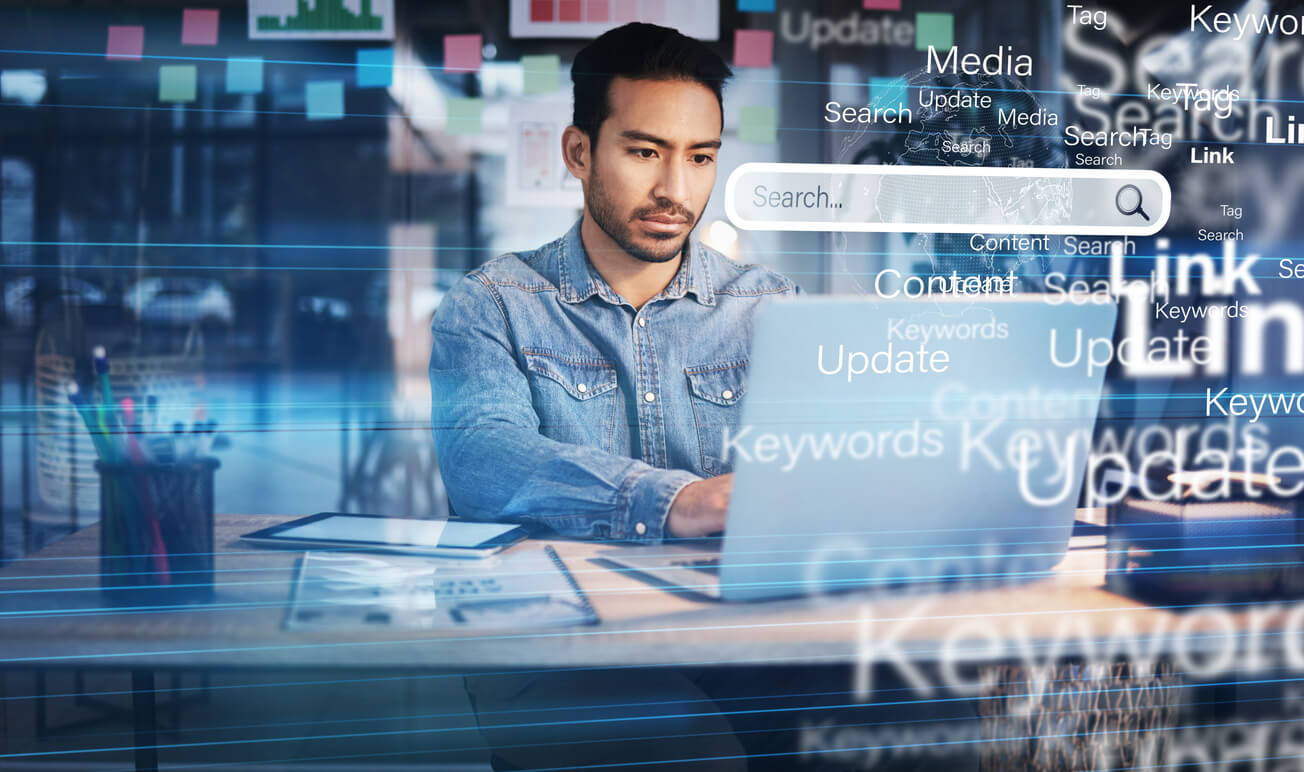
88 418
100 358
151 411
137 456
128 414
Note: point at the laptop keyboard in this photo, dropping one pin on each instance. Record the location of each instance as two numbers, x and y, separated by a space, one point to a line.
452 588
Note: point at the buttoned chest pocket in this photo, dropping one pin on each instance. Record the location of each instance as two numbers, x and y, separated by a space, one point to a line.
716 391
575 397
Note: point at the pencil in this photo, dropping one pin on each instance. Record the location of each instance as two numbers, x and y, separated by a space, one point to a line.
158 550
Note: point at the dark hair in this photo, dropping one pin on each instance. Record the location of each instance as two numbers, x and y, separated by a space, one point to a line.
640 52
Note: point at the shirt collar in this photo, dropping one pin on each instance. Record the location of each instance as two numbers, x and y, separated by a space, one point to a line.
578 281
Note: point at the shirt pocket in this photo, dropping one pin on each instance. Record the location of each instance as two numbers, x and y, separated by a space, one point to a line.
716 390
575 397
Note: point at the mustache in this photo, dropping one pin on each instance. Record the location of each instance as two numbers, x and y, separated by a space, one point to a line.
673 211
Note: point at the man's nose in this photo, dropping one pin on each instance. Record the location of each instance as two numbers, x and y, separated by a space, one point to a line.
672 184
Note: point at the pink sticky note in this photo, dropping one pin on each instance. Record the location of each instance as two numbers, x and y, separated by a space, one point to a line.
198 27
125 42
882 5
753 48
625 10
462 53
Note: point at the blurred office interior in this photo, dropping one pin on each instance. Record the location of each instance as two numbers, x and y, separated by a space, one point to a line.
270 253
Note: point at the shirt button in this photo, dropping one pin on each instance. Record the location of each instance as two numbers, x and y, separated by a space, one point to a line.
583 387
649 397
642 322
640 529
726 394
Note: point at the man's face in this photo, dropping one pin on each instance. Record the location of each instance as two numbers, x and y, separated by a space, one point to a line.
654 165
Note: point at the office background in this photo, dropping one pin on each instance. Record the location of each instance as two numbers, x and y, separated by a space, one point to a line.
302 212
264 225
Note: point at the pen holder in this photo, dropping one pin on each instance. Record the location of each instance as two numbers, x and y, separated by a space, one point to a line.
156 532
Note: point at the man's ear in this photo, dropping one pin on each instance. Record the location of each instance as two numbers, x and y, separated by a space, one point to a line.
577 152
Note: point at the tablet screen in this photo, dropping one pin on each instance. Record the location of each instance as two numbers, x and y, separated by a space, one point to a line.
397 531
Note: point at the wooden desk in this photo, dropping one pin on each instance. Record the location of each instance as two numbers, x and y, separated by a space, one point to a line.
53 617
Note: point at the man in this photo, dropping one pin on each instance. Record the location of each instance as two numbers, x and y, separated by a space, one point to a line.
584 386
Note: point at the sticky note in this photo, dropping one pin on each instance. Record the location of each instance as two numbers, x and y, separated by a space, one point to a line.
464 115
759 6
885 93
568 10
125 42
934 29
244 75
324 100
625 10
753 48
599 10
198 27
882 5
542 73
462 53
375 67
541 10
654 11
176 83
758 124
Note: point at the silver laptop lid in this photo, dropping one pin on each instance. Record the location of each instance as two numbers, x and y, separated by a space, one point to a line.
903 442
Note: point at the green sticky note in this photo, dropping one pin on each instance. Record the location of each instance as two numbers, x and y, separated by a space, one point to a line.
542 73
176 83
934 29
464 115
758 124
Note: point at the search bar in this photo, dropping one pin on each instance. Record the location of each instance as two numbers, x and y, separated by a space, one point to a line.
946 199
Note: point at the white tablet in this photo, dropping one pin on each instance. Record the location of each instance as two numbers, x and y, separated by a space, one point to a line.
441 538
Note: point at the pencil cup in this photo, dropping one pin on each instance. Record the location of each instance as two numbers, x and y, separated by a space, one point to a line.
156 532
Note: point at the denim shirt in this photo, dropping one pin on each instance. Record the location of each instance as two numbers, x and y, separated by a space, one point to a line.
556 403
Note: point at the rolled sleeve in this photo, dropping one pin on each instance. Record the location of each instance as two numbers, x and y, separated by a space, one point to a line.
650 495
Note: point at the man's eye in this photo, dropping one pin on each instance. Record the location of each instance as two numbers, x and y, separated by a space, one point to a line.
645 152
703 160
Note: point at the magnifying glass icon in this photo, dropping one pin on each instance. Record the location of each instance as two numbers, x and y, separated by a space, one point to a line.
1128 201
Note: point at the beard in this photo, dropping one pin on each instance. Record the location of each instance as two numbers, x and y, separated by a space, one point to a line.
664 247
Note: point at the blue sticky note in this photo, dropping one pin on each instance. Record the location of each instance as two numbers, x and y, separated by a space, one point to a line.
934 29
464 115
324 100
758 124
760 6
888 93
244 75
375 67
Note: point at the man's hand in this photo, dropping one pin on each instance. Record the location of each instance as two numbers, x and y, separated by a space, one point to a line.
699 508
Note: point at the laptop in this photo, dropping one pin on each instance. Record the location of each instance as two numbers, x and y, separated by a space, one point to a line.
899 445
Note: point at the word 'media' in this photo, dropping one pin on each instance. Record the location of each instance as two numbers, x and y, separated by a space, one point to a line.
999 62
